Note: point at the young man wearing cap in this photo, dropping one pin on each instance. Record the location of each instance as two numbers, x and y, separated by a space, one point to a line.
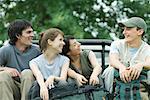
129 55
15 76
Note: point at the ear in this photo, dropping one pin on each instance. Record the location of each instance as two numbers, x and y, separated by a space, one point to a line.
49 42
18 36
141 31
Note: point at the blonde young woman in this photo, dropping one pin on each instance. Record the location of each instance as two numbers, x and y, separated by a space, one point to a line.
50 68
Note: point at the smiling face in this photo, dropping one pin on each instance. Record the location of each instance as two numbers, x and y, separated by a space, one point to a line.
58 43
26 37
74 47
132 34
52 39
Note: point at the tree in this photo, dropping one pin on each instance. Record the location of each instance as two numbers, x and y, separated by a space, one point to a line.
81 18
42 14
101 16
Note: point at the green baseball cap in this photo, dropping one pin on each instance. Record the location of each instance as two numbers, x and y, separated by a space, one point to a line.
134 22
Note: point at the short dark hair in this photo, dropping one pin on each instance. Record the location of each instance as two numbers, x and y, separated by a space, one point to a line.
15 29
66 48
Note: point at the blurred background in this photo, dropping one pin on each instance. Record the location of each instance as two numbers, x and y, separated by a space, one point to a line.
85 19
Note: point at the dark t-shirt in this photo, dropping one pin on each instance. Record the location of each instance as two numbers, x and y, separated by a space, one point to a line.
86 67
11 57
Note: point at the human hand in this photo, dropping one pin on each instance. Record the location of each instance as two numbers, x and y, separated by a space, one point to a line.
125 75
135 71
12 71
94 80
81 79
44 92
50 82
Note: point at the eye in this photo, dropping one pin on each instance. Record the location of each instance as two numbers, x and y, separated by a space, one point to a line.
75 44
61 39
29 32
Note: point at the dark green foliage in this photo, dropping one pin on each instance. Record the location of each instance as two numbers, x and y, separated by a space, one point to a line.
75 17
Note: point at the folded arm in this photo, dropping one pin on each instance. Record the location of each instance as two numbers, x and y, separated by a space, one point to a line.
137 68
97 69
79 78
116 63
40 80
12 71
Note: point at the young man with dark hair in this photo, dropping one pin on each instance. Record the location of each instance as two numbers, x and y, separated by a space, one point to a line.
15 76
129 56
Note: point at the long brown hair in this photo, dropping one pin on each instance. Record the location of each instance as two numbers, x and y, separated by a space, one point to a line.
51 34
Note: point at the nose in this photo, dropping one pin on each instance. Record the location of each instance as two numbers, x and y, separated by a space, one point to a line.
78 43
63 42
32 34
124 31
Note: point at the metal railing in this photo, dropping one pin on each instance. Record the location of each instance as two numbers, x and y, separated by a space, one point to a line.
98 42
94 42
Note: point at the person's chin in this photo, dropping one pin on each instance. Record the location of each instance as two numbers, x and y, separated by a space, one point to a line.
127 40
60 51
28 44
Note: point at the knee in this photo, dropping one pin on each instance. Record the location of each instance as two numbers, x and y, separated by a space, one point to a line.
27 74
4 76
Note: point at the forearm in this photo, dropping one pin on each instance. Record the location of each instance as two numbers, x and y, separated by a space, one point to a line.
72 73
117 64
145 65
96 71
64 71
58 78
2 68
96 66
40 80
38 75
